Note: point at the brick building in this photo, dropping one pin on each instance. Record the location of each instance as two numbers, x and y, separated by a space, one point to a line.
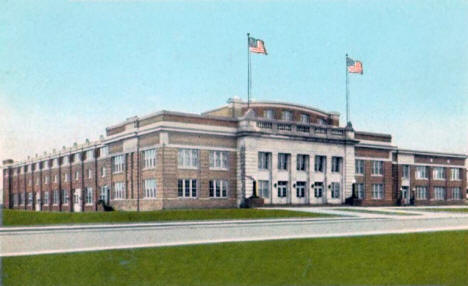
296 155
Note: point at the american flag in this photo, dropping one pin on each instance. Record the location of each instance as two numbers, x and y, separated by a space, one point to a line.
257 46
354 66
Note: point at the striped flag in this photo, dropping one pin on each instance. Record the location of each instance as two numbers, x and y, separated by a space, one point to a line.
354 66
257 46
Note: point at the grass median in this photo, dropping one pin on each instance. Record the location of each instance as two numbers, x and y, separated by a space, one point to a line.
439 258
21 217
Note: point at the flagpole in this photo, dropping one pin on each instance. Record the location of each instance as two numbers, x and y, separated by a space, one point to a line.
347 90
248 72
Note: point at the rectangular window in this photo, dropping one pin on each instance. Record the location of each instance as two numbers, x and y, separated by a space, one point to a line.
320 163
30 199
46 198
302 162
119 191
406 171
268 114
64 197
377 168
283 161
218 188
65 160
287 116
21 201
318 189
89 196
103 194
65 177
103 171
89 155
90 173
77 175
438 173
377 191
118 164
149 188
188 158
336 164
360 191
359 167
187 188
282 189
149 159
335 190
55 178
104 151
46 180
15 200
29 182
219 160
300 189
264 160
439 193
456 194
55 197
421 193
455 174
305 118
264 189
421 172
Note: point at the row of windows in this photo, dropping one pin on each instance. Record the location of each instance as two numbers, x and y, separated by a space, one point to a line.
54 197
76 177
287 115
376 167
300 186
302 162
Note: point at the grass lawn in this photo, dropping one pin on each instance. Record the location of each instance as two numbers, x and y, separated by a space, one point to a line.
21 217
456 210
439 258
374 211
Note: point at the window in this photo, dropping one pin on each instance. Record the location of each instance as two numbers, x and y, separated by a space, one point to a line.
30 199
438 173
283 159
377 168
282 189
55 178
268 114
55 197
302 162
406 171
359 167
149 188
187 188
320 163
300 189
21 201
188 158
360 191
455 174
65 160
90 173
421 193
64 197
104 151
305 118
89 196
149 159
421 172
46 198
318 189
321 121
439 193
264 160
119 191
118 164
15 200
264 189
103 193
218 188
46 180
336 164
286 115
37 181
65 179
89 155
77 175
335 190
218 160
103 171
377 191
456 194
29 182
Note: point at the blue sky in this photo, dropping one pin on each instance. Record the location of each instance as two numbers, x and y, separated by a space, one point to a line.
68 69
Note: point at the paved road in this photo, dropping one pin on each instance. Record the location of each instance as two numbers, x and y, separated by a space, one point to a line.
60 239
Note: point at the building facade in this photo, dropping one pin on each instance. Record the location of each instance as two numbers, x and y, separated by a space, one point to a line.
293 154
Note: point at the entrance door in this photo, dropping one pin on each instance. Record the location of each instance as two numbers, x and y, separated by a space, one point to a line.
77 200
405 196
318 193
38 201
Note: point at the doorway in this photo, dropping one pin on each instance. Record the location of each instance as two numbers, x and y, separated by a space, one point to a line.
77 200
